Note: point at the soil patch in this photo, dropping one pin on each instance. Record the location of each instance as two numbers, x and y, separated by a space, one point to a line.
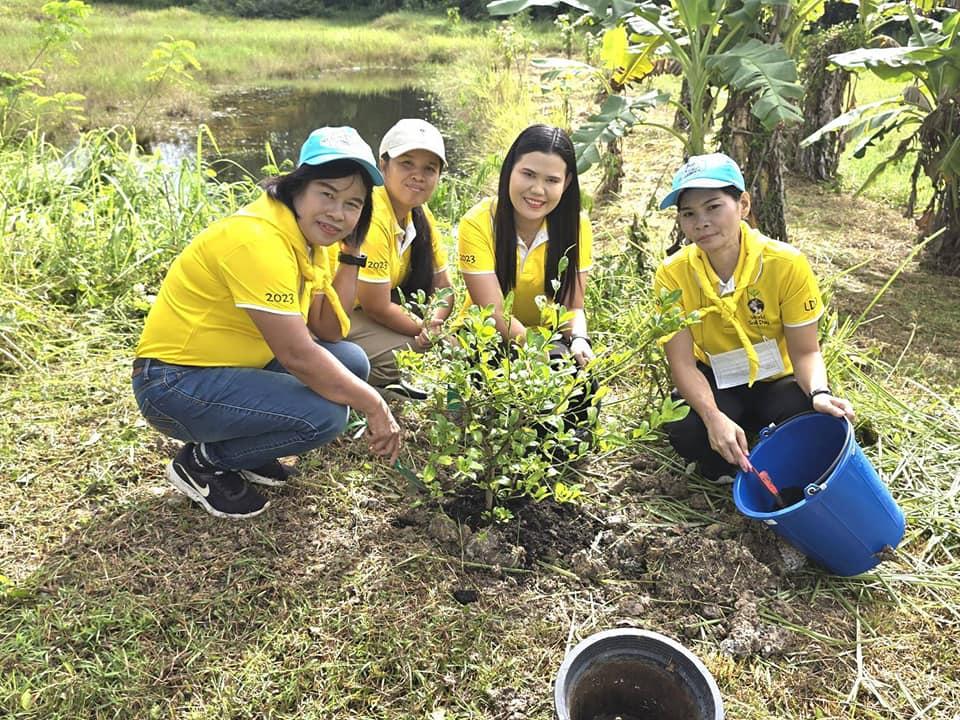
539 531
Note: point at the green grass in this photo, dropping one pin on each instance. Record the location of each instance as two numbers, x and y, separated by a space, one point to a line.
232 52
893 186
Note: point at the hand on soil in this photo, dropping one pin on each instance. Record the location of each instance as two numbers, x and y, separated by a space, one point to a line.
383 433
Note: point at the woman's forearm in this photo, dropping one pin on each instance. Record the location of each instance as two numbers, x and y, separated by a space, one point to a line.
810 371
394 317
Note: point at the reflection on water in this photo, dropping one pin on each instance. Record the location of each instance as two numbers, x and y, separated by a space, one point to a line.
244 121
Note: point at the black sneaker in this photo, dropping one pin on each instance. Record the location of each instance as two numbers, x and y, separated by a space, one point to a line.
273 474
222 493
405 391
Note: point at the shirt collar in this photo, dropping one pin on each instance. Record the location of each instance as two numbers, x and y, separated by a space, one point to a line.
539 239
405 237
750 239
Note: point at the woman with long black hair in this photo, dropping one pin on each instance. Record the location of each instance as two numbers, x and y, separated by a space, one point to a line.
404 253
515 241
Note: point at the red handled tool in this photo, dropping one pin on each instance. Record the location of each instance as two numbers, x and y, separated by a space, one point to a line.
768 484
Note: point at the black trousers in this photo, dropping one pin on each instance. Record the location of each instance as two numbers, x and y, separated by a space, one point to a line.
752 408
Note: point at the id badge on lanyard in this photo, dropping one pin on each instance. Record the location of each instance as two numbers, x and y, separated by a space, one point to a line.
732 368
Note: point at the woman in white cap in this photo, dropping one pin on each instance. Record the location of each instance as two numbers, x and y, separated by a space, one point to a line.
404 254
242 356
754 357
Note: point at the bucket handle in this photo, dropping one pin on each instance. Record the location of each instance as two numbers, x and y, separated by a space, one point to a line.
767 431
813 488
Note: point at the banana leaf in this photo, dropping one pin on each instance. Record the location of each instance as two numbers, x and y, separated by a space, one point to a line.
769 72
848 118
617 114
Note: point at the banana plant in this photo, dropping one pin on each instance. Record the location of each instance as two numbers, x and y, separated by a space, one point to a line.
927 111
697 35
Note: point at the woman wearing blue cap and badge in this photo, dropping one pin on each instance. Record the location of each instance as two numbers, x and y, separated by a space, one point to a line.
754 358
404 253
242 354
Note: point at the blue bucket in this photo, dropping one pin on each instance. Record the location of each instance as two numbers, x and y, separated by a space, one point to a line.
846 516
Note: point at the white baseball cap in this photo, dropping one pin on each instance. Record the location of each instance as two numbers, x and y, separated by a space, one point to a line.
412 134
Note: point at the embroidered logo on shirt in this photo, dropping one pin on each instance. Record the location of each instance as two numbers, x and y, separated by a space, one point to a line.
756 307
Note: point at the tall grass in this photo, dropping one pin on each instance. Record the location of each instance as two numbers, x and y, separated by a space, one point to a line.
894 184
93 228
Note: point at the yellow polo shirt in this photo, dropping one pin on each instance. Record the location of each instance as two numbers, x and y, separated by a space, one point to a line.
478 257
256 258
782 292
387 245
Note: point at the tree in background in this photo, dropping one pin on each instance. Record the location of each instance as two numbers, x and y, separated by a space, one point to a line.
928 113
708 40
828 90
759 147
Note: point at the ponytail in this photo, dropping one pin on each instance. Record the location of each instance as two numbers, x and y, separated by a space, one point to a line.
420 275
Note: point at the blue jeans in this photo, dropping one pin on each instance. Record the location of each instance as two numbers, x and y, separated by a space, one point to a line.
245 417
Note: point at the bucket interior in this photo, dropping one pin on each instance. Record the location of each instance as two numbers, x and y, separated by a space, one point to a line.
802 451
632 688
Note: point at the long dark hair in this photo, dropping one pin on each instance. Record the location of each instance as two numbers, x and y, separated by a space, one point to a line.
286 188
563 222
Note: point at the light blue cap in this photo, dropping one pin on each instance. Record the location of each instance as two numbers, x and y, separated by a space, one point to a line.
327 144
715 170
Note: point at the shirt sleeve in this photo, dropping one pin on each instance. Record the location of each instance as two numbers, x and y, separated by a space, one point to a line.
376 247
439 251
801 302
475 243
586 244
260 274
663 280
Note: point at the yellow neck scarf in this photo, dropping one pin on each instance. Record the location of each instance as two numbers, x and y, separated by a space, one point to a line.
751 247
319 275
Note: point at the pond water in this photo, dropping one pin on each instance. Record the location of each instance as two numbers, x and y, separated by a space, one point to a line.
244 121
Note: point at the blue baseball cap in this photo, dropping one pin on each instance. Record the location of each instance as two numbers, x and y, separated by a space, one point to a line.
327 144
715 170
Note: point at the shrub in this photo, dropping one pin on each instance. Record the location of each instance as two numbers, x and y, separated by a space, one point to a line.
512 422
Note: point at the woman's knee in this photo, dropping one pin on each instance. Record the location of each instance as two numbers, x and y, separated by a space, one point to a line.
688 436
350 356
786 399
324 423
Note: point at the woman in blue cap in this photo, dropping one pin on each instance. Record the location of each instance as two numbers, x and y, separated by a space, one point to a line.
754 358
242 355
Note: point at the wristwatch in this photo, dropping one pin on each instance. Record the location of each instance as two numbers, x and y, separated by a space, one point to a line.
819 391
348 259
